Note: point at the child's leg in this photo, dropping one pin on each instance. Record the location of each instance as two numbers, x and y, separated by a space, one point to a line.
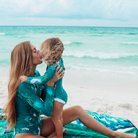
57 118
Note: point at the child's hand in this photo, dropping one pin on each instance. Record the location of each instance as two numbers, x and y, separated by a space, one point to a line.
23 79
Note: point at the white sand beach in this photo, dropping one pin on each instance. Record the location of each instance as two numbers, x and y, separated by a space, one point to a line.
116 100
119 100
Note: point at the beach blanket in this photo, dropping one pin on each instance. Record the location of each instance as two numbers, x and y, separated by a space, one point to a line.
77 130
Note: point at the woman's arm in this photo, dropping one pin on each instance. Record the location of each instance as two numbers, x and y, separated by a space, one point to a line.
44 107
59 74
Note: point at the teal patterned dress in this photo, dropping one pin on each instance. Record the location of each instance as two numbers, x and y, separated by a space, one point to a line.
32 100
61 95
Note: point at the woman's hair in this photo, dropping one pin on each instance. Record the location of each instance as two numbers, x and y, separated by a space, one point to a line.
21 64
53 47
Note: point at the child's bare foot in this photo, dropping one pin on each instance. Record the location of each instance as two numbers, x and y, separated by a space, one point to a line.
123 135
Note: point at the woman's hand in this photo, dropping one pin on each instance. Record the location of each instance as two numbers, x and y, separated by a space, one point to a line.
23 79
58 74
56 77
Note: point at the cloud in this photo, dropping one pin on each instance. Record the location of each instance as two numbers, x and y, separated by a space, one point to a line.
114 10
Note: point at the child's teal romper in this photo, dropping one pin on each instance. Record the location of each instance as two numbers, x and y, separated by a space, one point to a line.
61 95
31 101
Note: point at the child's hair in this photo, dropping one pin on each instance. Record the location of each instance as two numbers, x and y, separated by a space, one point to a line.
53 47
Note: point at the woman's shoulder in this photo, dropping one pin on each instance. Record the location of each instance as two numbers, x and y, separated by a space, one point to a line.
22 85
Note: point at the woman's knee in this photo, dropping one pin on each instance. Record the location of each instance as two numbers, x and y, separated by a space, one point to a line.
78 109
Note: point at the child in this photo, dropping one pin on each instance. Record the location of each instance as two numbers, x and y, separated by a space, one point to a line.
51 51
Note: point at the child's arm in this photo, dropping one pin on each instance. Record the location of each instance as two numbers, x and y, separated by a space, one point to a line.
50 72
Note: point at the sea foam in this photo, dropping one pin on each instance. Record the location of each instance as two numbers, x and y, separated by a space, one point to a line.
2 33
100 55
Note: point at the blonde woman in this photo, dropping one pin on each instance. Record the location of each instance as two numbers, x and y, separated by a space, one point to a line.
27 101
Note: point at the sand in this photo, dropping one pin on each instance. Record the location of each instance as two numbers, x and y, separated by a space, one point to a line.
115 100
119 100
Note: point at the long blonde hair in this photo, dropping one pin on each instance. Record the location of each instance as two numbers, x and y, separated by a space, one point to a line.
21 64
54 49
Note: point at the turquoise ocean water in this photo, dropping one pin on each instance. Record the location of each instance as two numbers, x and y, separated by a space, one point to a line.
92 54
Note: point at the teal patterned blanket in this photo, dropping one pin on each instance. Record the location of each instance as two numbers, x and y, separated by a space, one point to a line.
77 130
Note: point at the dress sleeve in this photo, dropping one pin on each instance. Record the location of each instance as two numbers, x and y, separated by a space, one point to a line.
37 73
44 107
50 72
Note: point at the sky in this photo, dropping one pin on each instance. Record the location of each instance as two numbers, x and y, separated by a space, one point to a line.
117 13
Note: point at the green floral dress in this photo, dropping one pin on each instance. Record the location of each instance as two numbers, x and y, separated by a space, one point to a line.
61 95
31 101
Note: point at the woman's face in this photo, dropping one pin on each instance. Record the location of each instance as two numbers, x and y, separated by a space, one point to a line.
36 56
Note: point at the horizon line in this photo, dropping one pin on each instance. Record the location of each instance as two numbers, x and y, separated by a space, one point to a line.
62 26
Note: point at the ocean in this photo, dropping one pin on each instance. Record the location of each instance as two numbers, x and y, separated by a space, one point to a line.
92 55
101 65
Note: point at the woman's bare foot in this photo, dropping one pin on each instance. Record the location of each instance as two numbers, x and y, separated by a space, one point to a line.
123 135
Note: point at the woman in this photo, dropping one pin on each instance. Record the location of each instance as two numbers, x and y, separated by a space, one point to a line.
25 100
